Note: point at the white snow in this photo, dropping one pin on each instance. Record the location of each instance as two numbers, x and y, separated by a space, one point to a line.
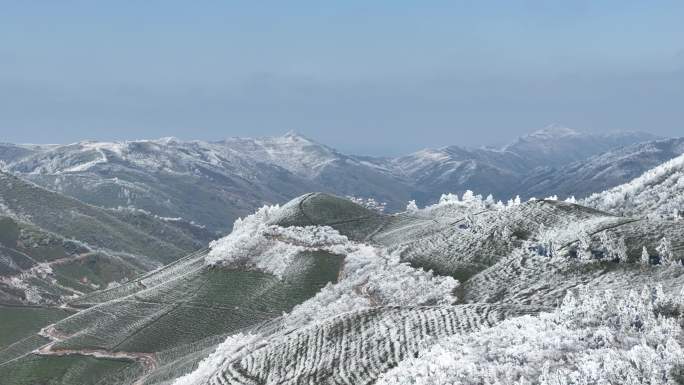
451 205
254 243
374 277
224 352
236 156
369 203
371 275
658 192
590 339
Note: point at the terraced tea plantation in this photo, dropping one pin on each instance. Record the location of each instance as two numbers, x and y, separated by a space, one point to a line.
325 291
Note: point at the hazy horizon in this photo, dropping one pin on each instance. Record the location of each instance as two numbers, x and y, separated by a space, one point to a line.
492 144
380 79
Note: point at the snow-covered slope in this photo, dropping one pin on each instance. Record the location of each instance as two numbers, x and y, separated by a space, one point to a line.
600 172
324 291
557 248
52 246
293 152
11 152
659 192
456 169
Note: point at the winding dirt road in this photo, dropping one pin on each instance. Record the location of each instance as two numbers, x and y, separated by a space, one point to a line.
147 360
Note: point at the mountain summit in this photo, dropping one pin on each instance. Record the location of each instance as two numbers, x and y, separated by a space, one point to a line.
556 145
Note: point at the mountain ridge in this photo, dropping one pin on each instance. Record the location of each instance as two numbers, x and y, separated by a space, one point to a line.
196 179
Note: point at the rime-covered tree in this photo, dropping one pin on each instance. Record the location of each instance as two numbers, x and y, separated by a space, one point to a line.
583 245
645 257
656 194
613 248
369 203
665 252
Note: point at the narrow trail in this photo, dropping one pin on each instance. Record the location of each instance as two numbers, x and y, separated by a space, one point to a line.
148 361
43 270
40 268
73 258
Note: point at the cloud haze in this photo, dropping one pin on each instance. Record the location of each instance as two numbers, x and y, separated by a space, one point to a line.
384 78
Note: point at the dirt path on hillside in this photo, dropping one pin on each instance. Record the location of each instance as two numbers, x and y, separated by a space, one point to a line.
147 360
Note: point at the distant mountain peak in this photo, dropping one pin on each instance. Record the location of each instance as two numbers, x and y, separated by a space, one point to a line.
557 131
554 130
295 136
168 140
553 133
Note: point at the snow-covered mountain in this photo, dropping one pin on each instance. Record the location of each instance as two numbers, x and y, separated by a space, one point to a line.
500 171
659 193
600 172
556 145
458 169
214 183
11 152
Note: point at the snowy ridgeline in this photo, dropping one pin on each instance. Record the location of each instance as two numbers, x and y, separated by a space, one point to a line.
292 152
371 275
656 193
452 205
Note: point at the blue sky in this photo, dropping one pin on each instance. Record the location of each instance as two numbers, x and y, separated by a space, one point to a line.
374 77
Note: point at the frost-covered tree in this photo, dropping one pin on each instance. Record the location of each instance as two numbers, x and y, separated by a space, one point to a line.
469 222
665 253
620 250
469 196
605 240
596 338
613 248
506 233
583 245
369 203
412 207
451 205
645 257
657 193
547 241
514 202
